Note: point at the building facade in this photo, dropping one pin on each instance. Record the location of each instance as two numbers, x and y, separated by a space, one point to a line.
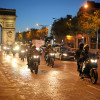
92 40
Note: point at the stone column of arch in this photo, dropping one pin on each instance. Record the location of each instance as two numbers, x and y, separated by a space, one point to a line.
7 23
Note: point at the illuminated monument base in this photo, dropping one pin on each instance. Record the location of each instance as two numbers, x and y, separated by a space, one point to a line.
7 24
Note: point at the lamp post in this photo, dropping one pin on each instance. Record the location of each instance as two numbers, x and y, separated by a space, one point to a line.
86 6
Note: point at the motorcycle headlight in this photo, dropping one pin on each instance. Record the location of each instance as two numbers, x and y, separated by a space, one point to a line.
94 61
4 47
14 49
52 54
36 56
17 48
22 51
8 48
64 54
37 49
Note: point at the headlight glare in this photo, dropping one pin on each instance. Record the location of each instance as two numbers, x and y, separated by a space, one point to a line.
22 51
94 61
52 54
36 56
64 54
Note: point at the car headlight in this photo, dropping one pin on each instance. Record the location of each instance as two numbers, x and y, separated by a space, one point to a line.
94 61
52 54
64 54
36 56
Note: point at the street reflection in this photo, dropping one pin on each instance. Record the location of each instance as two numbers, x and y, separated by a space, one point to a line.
53 83
8 58
24 71
53 73
14 62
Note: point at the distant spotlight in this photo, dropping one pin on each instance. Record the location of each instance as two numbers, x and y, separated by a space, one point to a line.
26 29
37 24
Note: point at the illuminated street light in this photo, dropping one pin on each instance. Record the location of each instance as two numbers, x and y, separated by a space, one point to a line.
37 24
85 5
82 37
27 29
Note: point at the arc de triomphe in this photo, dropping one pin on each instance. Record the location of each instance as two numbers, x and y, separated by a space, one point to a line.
7 24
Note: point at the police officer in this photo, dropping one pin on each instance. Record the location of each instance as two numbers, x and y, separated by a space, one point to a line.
79 55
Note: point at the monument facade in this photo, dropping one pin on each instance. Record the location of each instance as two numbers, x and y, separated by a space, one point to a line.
7 24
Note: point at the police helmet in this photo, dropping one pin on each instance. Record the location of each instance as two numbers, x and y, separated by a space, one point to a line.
86 47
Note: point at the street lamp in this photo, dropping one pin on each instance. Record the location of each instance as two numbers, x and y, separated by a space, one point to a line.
27 29
85 5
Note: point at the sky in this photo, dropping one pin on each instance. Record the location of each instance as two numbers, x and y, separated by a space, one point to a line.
32 12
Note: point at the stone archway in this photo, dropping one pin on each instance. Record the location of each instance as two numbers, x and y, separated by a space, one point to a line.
7 23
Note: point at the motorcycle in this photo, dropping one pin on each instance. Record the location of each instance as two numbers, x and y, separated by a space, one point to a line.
89 69
22 54
34 63
15 50
4 49
8 50
51 58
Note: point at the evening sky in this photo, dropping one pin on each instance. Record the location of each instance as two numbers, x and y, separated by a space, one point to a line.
31 12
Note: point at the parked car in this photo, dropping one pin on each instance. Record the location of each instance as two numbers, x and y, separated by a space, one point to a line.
67 55
64 53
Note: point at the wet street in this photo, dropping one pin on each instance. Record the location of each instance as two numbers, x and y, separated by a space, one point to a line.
59 83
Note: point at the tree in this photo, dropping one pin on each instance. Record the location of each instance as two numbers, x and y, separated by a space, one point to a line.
19 37
24 35
61 28
74 26
43 32
89 22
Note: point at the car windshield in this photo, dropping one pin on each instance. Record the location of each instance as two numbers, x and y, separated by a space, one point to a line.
69 53
63 49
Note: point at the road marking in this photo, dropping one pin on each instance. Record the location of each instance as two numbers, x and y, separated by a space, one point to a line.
93 87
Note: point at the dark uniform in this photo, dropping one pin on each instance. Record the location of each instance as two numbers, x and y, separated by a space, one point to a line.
79 56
